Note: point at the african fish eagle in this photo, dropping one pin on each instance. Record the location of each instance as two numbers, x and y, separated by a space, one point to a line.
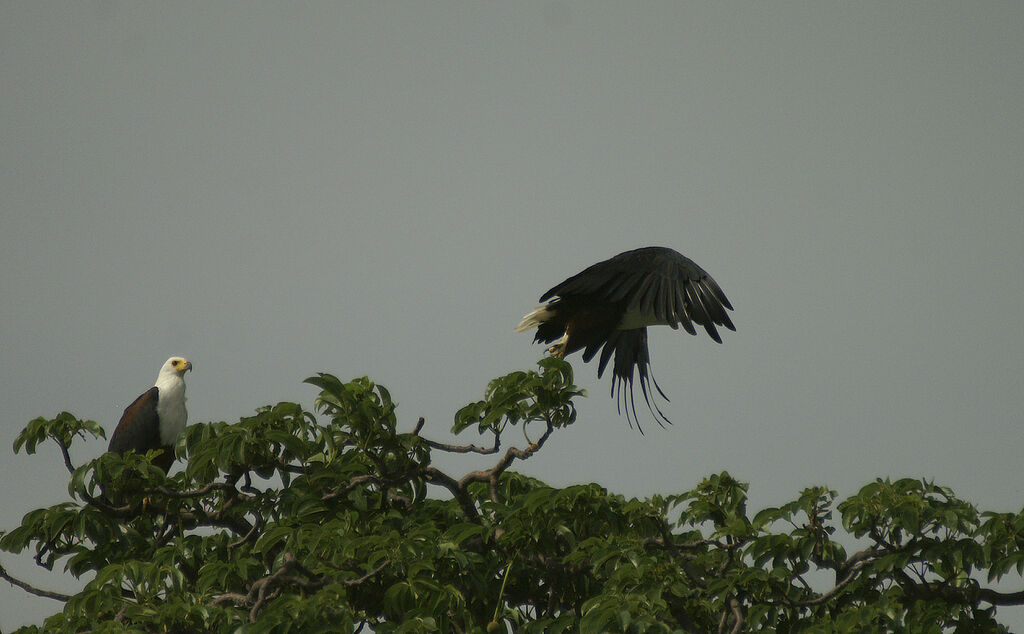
610 305
154 420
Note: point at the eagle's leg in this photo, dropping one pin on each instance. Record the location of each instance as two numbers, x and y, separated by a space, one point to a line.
558 349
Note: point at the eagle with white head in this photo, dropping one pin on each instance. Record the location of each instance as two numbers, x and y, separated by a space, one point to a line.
154 420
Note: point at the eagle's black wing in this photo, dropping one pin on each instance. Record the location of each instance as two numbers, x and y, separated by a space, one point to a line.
658 282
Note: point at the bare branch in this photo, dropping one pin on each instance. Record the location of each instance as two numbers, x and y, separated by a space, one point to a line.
852 573
510 456
48 594
470 448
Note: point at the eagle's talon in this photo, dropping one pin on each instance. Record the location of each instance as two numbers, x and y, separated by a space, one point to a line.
558 349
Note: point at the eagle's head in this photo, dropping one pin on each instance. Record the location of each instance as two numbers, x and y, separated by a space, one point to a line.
176 366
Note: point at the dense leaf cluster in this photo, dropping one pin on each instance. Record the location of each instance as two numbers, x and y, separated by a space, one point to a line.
291 521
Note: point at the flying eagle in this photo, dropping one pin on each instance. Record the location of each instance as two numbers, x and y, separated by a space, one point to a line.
610 305
154 420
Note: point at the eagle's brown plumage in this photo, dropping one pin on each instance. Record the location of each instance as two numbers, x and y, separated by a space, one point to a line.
139 429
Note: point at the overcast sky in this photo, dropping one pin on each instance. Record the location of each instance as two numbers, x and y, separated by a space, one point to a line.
384 189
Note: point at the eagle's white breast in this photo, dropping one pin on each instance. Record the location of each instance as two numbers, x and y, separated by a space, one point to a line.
170 407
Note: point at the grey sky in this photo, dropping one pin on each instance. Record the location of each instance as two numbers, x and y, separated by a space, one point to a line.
384 189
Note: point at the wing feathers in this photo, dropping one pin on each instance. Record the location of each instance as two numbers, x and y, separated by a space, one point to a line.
684 314
715 308
654 281
139 427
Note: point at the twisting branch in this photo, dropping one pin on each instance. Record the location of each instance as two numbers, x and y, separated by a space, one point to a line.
852 573
64 452
291 572
470 448
200 492
510 456
735 610
354 482
48 594
737 613
434 475
257 527
102 504
459 488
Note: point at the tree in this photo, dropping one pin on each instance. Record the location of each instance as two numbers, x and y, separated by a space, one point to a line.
289 521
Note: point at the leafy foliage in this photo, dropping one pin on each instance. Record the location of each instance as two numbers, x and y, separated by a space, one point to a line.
290 521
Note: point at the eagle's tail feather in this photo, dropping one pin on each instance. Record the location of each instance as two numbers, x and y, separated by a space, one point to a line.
633 359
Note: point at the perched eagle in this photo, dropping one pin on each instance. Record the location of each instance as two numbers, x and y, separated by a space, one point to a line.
610 304
156 418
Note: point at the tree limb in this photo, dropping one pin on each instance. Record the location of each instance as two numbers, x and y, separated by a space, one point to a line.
470 448
64 452
291 572
510 456
48 594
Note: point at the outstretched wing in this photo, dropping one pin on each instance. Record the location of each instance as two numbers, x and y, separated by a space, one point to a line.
659 286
